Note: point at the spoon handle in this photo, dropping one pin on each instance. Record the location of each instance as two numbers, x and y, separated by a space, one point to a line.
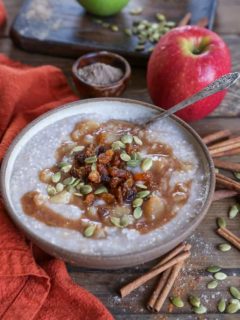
220 84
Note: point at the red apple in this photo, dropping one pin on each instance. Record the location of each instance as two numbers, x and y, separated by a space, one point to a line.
184 61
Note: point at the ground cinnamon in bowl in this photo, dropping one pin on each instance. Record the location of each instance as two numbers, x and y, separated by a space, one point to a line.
100 74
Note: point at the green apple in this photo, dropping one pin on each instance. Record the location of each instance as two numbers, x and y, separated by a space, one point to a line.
103 7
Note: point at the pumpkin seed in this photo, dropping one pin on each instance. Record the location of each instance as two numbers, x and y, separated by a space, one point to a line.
77 149
235 292
177 302
137 213
200 310
194 301
51 190
127 138
56 177
237 175
137 140
140 47
79 185
89 231
221 222
124 221
100 190
136 11
128 32
137 202
140 185
232 300
114 28
77 194
224 247
216 170
133 163
115 221
136 156
75 183
125 157
143 194
86 189
117 145
170 24
68 181
213 269
233 211
106 25
160 17
220 276
71 189
59 187
90 160
94 167
65 167
221 305
146 164
232 307
212 284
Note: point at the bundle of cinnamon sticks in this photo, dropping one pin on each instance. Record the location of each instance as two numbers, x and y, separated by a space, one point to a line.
222 144
168 269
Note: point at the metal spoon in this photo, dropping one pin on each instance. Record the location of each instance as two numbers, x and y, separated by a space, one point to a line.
220 84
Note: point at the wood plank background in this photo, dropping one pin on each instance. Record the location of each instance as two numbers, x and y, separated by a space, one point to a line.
105 284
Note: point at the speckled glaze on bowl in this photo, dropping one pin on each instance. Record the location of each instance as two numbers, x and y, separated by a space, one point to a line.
115 89
110 261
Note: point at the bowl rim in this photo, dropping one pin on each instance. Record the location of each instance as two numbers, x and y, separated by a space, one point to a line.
126 75
55 248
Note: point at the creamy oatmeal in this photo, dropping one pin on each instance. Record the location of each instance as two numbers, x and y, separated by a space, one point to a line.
97 185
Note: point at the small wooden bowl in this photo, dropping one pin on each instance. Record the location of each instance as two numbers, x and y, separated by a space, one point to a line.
115 89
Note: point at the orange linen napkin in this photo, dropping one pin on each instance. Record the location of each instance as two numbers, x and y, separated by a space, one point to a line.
34 285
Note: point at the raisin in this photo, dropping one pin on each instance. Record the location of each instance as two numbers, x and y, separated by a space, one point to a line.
115 172
89 199
89 150
105 178
100 149
108 198
80 157
114 182
94 176
130 195
119 195
106 157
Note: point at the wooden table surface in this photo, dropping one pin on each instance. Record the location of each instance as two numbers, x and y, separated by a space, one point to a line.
105 284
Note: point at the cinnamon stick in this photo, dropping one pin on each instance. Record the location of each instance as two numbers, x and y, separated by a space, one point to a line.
216 136
223 194
127 289
161 284
228 183
224 148
229 236
162 297
227 153
227 165
224 143
185 20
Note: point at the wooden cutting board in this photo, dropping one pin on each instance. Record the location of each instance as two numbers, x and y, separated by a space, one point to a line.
63 28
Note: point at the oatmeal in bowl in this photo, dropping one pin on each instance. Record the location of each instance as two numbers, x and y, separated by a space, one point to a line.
86 183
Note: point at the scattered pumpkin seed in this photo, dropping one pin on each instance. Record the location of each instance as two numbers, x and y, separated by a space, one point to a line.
194 301
115 221
106 25
65 167
75 183
56 177
140 185
137 202
233 211
200 310
232 307
220 276
235 292
117 145
86 189
114 28
90 160
136 156
128 32
77 194
221 222
136 11
71 189
51 190
232 300
212 284
94 167
59 187
224 247
140 47
89 231
213 269
143 194
125 157
77 149
68 181
127 138
216 170
137 140
100 190
160 17
146 164
124 221
133 163
177 302
137 213
221 305
79 185
237 175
